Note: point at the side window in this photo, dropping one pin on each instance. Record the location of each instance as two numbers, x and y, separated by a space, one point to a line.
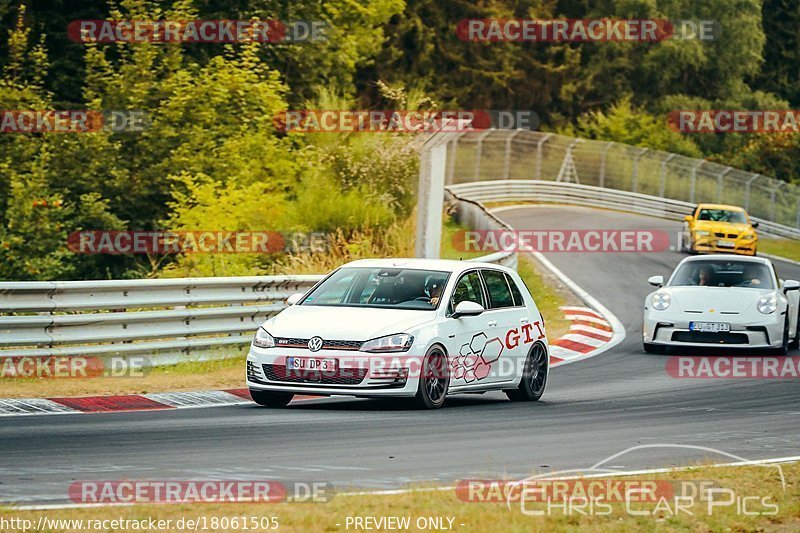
518 301
499 294
468 289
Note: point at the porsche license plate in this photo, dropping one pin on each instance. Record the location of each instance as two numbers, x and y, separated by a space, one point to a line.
710 327
310 363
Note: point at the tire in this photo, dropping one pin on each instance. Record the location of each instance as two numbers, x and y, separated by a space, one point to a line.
684 248
654 348
434 380
534 376
784 347
271 399
795 343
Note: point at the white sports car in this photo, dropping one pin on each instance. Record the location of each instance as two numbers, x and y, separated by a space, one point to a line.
720 300
414 328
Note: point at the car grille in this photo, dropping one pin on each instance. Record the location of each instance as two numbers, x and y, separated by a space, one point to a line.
284 342
709 338
729 235
342 376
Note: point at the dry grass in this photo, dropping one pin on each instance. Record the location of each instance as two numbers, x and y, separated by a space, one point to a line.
750 481
209 375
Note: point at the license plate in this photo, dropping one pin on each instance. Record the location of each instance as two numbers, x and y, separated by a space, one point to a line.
709 327
308 363
726 244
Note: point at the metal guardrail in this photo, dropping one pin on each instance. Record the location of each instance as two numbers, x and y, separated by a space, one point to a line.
169 320
587 195
166 320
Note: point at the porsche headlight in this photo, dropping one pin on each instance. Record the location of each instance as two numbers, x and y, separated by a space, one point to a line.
701 233
400 342
661 301
263 339
767 304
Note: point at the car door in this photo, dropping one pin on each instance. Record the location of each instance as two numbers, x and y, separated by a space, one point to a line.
467 333
506 349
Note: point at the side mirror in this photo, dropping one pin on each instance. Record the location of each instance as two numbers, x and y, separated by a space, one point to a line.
467 308
688 218
791 285
294 298
754 224
656 281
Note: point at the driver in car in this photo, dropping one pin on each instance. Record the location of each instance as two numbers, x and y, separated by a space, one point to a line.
432 291
751 276
704 276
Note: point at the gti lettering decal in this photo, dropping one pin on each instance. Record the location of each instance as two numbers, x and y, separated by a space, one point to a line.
475 359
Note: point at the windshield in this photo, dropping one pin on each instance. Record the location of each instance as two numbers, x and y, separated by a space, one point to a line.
723 273
396 288
722 215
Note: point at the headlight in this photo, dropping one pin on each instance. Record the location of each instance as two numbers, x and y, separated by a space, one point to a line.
263 339
701 233
391 343
767 304
748 236
661 301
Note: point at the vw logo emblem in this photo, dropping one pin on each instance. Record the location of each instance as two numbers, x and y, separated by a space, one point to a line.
315 344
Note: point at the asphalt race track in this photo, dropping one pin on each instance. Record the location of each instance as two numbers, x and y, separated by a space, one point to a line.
591 410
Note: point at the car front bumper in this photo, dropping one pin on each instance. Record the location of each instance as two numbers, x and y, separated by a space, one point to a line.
711 245
673 330
356 373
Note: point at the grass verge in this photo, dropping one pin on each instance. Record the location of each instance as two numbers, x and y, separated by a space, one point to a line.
756 490
788 248
201 375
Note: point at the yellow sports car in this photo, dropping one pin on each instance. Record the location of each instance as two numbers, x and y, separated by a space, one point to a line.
715 228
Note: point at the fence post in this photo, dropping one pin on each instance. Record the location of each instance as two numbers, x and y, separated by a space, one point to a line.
479 154
433 160
543 140
693 183
772 200
747 191
635 176
662 189
719 183
451 157
507 158
602 180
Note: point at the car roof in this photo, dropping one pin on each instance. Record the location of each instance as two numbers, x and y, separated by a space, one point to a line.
720 206
446 265
727 257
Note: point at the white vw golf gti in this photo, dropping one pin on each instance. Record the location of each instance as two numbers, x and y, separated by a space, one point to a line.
722 300
415 328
